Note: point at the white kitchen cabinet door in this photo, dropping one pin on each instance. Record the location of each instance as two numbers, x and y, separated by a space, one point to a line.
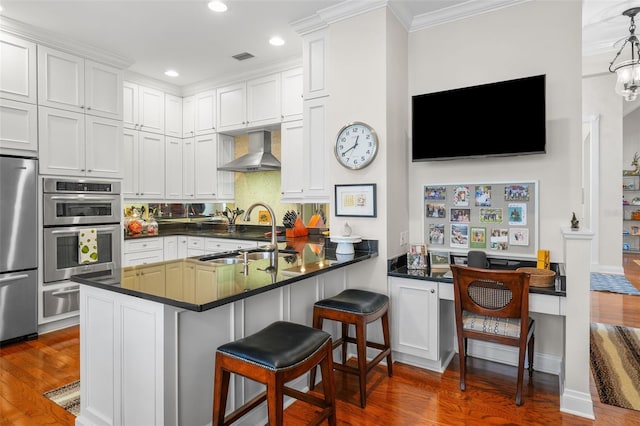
292 172
151 110
315 152
205 112
182 246
263 101
18 76
232 107
130 117
170 247
188 168
292 95
226 180
18 127
173 169
315 63
60 80
103 90
415 320
188 116
62 142
103 150
206 172
172 115
151 166
131 148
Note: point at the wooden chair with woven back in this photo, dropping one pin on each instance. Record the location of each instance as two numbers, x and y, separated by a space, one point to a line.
493 305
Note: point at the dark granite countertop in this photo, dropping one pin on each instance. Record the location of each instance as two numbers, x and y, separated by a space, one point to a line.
220 284
398 268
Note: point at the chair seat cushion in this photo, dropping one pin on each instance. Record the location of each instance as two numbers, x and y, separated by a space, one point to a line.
509 327
279 345
356 301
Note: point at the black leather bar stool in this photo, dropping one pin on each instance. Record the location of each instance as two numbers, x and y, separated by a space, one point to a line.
357 307
274 356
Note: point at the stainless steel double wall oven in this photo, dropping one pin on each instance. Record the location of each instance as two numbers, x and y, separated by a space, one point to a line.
69 208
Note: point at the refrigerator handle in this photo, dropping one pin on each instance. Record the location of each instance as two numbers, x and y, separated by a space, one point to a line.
7 280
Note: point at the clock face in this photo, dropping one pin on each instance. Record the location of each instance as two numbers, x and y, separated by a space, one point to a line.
356 145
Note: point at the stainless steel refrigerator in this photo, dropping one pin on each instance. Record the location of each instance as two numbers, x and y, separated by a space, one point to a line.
18 248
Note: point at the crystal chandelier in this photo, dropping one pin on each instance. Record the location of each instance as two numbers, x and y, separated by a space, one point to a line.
628 83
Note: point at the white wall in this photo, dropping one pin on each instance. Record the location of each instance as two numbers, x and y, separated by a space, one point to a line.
599 98
357 83
537 37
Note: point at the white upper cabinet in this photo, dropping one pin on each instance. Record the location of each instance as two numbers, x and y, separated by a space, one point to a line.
103 90
315 152
226 180
188 169
143 108
173 168
18 74
264 101
18 127
188 116
232 107
74 144
315 61
70 82
292 95
292 173
206 174
205 113
172 115
144 170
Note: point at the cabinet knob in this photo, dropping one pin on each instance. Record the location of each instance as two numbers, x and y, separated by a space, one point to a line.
141 126
81 106
89 170
432 291
88 108
82 170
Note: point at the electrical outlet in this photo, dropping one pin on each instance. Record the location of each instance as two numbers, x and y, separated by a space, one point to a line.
404 236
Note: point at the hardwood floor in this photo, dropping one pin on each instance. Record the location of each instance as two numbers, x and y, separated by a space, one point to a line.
412 397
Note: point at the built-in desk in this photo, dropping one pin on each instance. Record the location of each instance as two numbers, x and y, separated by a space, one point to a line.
423 322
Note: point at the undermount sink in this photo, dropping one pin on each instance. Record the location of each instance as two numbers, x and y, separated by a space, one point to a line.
237 257
226 260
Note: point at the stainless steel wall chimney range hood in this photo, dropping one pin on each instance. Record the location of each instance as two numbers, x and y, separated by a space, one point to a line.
259 158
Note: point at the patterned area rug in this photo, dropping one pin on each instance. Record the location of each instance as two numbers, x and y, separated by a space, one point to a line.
613 284
615 363
67 396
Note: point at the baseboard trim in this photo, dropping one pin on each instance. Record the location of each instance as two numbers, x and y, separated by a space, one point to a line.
577 403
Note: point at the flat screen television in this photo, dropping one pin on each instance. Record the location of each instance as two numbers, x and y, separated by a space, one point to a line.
497 119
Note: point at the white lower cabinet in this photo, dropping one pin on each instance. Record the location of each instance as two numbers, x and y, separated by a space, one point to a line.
418 336
219 245
145 250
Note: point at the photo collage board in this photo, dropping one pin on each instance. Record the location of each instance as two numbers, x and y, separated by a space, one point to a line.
497 218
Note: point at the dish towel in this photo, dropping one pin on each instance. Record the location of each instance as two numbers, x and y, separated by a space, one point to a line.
88 246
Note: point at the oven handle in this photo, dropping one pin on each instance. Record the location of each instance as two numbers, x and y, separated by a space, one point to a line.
82 197
6 280
75 230
63 292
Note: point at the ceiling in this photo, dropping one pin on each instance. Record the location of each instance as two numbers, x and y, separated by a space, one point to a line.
155 35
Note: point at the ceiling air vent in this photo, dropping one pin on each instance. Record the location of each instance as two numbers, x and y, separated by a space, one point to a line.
242 56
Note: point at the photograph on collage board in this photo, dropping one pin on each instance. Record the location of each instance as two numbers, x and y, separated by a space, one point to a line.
499 239
436 210
478 237
518 236
460 236
491 215
517 214
460 215
436 234
461 196
435 193
483 195
516 193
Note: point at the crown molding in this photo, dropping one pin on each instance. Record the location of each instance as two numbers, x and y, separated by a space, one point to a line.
348 9
458 12
57 41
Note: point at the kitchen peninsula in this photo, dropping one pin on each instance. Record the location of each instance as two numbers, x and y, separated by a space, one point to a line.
147 351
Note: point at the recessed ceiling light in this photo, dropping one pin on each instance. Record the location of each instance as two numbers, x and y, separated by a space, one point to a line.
171 73
217 6
0 8
276 41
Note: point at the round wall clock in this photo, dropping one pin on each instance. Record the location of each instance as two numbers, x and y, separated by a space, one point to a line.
356 145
